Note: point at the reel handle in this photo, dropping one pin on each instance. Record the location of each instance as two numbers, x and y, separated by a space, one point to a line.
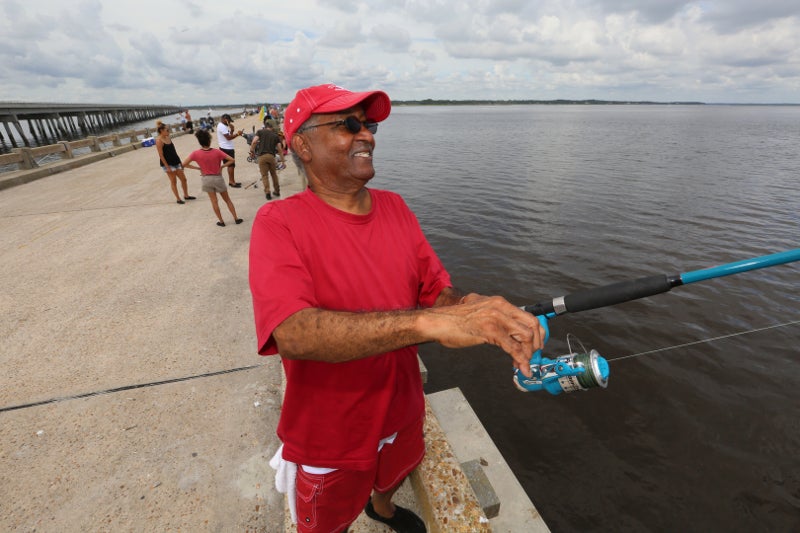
536 357
566 373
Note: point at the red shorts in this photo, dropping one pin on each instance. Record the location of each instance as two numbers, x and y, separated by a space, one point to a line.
328 503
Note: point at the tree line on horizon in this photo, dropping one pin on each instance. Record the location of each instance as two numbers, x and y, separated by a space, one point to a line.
560 101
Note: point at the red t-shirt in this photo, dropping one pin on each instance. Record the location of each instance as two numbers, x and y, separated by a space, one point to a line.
305 253
210 161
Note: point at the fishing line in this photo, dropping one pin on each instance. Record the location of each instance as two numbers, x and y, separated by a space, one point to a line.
128 387
706 340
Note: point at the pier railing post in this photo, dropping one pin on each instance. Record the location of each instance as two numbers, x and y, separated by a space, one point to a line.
28 162
67 154
95 146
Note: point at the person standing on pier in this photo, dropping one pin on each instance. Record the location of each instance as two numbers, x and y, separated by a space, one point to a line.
170 162
210 163
345 286
225 137
265 146
189 126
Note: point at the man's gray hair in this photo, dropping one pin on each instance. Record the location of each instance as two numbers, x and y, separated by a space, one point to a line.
299 164
296 158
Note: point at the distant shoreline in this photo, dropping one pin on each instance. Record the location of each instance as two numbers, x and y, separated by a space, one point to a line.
569 102
429 101
558 101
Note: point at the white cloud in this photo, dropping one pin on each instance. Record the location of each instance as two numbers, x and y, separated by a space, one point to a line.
345 33
194 52
392 38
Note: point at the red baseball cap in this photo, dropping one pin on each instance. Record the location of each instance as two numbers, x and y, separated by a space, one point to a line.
330 98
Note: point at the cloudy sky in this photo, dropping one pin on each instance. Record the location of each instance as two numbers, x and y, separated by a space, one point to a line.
195 52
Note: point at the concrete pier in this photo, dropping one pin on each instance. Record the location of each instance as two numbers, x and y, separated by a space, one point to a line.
131 397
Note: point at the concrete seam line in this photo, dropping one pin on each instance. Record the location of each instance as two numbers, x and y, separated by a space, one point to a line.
127 387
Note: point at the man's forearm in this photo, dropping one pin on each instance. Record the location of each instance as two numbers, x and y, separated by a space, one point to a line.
334 336
454 322
322 335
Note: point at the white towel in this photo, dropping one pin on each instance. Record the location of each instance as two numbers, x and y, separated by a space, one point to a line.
387 440
285 480
286 474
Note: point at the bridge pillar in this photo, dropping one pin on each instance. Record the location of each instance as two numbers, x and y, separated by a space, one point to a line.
10 135
18 126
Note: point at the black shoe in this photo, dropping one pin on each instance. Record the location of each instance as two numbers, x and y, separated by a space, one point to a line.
239 220
277 194
403 521
269 196
235 185
221 224
181 202
189 198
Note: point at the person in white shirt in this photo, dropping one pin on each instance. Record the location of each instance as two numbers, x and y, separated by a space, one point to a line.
225 137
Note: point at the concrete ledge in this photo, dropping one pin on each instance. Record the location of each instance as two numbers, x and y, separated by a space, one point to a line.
11 179
469 441
20 177
443 492
117 150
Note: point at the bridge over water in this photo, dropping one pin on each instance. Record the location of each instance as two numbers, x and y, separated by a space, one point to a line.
36 124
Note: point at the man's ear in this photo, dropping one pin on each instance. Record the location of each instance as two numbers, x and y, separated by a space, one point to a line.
301 147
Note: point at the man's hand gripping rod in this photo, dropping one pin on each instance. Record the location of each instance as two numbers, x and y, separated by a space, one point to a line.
583 371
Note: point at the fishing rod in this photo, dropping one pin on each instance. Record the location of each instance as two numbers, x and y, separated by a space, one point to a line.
581 371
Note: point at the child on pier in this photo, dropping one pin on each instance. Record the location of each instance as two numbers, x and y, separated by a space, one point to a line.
210 162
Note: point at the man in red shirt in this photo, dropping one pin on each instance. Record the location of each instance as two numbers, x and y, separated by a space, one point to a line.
345 286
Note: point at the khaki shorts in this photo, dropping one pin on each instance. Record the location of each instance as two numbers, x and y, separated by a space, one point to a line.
214 183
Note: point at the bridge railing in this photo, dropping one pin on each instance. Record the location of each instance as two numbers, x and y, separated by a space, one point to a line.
30 158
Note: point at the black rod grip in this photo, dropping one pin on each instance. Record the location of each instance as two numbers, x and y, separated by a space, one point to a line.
616 293
540 309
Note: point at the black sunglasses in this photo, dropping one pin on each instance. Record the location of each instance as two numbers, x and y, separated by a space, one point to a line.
352 124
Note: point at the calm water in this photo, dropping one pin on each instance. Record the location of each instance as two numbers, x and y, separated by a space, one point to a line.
532 202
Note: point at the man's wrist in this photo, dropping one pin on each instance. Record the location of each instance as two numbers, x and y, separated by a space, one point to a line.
424 325
450 296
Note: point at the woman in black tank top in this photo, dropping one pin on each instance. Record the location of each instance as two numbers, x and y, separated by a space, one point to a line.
170 162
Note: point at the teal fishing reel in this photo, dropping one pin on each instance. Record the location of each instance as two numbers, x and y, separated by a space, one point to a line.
566 373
